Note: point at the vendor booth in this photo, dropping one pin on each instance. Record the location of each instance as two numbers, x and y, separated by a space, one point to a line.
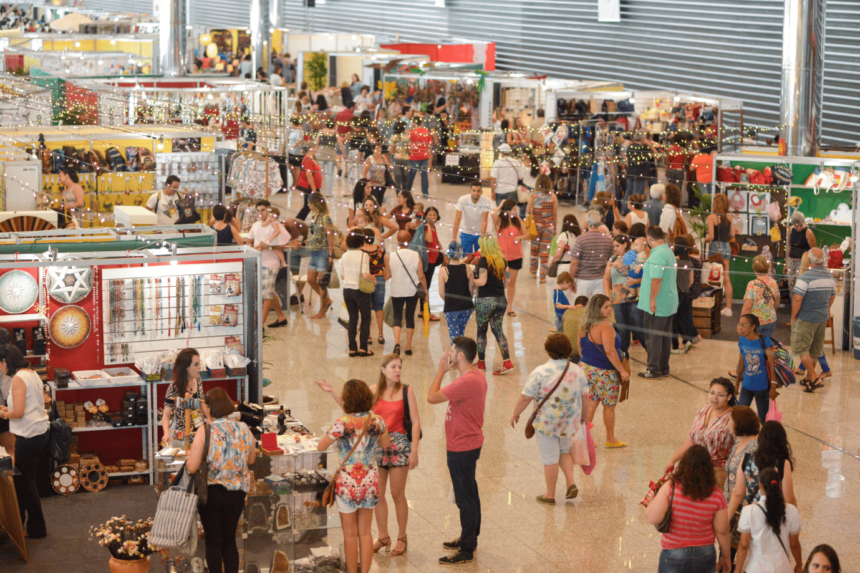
143 48
70 63
482 54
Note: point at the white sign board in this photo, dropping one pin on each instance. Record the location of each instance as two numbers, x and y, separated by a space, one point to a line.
608 10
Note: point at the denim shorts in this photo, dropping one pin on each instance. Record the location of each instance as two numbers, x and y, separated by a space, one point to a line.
550 448
319 261
296 259
377 298
719 247
469 242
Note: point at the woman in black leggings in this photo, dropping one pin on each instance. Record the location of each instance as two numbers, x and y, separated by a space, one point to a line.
491 303
405 269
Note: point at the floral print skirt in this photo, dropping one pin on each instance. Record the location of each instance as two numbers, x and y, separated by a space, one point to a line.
357 487
395 455
602 384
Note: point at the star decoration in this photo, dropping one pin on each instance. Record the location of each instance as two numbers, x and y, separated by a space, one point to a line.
70 284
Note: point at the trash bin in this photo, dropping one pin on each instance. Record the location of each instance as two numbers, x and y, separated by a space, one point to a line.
856 338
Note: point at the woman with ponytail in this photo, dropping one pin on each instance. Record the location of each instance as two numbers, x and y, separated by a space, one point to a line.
770 531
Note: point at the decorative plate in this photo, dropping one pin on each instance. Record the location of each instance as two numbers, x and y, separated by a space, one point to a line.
69 327
93 476
18 291
65 480
70 284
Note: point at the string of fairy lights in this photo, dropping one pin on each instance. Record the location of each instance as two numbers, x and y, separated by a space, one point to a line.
582 164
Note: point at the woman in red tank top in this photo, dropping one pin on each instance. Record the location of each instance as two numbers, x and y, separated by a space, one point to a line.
395 461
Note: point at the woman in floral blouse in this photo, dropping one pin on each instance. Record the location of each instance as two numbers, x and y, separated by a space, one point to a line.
712 428
231 451
745 425
357 483
561 417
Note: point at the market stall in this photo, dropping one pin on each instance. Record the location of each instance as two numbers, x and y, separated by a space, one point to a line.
142 47
71 63
456 52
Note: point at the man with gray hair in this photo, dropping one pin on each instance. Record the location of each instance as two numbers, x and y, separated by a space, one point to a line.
800 240
589 256
813 295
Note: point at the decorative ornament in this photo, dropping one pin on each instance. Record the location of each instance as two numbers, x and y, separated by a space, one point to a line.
70 284
94 476
205 39
212 50
65 480
18 291
69 327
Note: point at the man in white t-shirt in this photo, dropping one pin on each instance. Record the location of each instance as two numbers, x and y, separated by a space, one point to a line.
506 173
364 100
165 203
265 234
473 211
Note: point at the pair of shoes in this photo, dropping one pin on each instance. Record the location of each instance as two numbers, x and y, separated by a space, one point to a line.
395 552
482 366
457 558
365 353
542 281
369 341
512 313
384 542
353 353
434 318
452 545
278 324
553 329
340 172
613 445
572 492
507 366
675 351
687 346
648 375
546 500
397 349
726 311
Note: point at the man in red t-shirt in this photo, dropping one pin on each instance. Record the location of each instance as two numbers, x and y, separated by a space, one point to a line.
464 437
344 117
703 165
676 163
310 181
420 155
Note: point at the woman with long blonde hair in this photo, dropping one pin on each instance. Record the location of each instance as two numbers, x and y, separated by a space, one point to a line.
720 233
491 302
401 455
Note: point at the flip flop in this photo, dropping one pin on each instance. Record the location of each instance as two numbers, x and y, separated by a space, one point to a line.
512 313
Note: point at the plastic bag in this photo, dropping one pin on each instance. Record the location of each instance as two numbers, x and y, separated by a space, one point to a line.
579 447
773 413
592 451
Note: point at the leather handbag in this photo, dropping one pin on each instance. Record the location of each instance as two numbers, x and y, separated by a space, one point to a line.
365 285
530 425
624 393
407 417
666 522
328 495
421 292
530 227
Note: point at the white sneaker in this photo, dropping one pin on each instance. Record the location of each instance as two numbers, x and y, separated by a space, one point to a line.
726 311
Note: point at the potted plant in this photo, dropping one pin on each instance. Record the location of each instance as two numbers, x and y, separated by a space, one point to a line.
128 543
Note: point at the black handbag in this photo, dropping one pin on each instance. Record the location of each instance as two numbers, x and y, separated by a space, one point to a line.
663 526
407 418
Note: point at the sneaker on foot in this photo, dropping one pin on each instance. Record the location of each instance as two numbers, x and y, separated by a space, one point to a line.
687 346
457 559
649 375
726 311
452 545
675 351
507 366
482 366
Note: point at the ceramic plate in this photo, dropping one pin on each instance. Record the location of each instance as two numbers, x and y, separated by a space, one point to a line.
18 291
69 284
70 326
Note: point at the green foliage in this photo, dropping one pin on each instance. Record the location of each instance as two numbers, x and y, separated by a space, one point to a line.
21 71
699 215
317 67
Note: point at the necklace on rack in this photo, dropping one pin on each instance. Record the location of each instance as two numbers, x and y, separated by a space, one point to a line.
140 286
134 304
179 306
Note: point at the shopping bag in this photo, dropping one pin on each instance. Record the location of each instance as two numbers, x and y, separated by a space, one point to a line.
579 447
773 413
592 451
388 313
426 320
343 316
175 514
654 487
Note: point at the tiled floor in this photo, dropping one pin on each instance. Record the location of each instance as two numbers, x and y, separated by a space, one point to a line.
603 530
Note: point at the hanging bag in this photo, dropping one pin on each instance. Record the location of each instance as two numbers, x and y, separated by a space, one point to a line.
578 448
407 417
624 393
328 494
364 285
530 425
175 513
420 291
666 522
531 231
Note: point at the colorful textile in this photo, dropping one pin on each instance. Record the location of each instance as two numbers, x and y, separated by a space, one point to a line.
562 413
717 438
230 442
357 484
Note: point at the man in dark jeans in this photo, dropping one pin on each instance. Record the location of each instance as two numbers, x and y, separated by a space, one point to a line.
464 437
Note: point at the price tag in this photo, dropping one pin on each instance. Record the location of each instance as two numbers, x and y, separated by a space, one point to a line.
452 160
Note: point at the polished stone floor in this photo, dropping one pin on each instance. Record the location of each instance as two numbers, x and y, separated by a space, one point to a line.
604 529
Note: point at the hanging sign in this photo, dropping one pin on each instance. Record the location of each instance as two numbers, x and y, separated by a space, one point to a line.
608 10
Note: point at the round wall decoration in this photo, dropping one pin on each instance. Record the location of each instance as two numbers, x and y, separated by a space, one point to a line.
65 480
70 284
18 291
94 477
69 327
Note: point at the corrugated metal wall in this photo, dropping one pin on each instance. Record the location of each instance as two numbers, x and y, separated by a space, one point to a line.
841 122
126 6
220 14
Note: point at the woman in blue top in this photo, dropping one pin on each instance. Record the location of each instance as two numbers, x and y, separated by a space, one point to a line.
599 348
755 366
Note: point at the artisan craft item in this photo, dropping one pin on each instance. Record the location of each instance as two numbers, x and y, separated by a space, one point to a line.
94 477
280 563
282 517
69 327
70 284
65 480
18 291
257 519
116 300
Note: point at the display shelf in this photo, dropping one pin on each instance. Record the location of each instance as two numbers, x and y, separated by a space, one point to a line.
9 318
124 474
98 428
75 386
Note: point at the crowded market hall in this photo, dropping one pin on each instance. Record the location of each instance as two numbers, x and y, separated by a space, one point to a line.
319 286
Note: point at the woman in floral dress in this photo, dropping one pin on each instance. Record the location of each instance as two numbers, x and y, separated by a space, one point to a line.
712 428
357 483
560 418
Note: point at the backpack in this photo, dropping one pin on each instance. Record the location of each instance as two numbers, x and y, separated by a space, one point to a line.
58 160
147 161
115 160
419 245
61 439
679 229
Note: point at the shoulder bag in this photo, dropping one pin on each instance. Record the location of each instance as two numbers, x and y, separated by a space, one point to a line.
625 386
364 285
328 494
201 478
663 526
529 224
175 514
530 425
421 292
407 418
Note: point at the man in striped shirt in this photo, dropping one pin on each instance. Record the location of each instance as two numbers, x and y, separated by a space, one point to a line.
813 295
589 256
